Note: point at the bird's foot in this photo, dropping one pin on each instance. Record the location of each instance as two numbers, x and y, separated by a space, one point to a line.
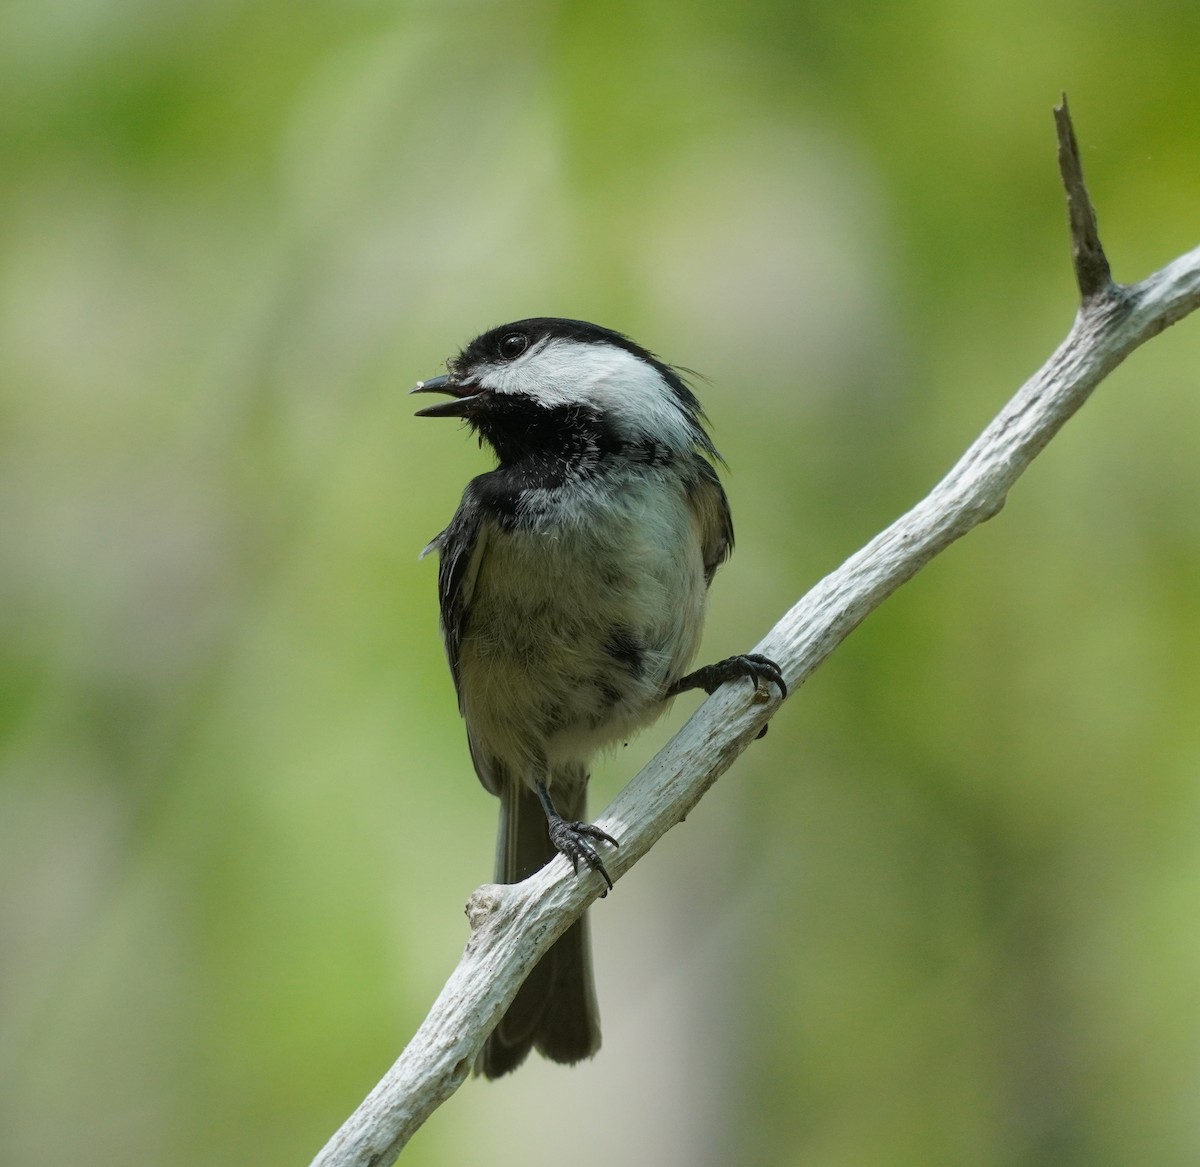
762 670
574 841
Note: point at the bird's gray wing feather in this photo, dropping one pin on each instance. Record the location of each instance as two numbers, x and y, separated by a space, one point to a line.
460 548
715 523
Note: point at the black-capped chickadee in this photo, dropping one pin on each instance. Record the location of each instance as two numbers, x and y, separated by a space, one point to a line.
573 580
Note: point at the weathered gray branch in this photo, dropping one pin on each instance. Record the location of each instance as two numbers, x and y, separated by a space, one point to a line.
512 926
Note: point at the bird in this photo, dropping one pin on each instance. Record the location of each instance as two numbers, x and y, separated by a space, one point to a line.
572 586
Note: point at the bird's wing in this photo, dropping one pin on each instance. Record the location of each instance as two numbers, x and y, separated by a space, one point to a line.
713 519
460 547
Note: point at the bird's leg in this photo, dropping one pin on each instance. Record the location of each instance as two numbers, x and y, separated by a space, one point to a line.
572 839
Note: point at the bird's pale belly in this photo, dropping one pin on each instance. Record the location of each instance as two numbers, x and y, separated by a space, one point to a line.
571 647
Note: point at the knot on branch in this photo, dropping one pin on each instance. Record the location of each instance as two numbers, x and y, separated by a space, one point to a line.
483 904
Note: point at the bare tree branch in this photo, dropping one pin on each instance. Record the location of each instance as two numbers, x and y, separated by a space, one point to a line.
512 926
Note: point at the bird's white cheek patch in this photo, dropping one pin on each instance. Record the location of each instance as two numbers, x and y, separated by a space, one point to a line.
623 388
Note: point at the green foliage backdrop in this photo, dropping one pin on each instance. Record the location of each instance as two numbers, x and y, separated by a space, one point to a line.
946 913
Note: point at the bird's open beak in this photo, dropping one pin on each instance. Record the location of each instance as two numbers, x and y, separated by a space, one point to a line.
462 392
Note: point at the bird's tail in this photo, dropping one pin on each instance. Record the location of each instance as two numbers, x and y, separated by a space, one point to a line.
555 1009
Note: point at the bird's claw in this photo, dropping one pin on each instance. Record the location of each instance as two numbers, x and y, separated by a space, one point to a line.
762 670
572 840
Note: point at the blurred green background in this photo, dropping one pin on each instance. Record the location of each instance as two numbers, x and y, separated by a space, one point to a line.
948 912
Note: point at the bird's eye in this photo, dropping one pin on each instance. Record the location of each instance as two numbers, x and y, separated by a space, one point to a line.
512 345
